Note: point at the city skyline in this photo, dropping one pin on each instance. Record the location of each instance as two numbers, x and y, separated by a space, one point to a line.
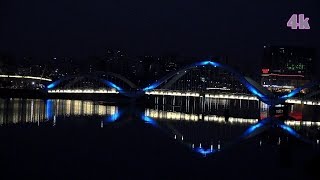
121 62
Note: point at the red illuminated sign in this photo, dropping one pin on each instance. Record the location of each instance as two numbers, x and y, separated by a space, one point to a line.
265 71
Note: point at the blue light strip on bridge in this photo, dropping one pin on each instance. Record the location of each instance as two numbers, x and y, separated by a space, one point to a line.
54 84
205 152
112 85
291 94
254 90
251 88
297 90
149 120
108 83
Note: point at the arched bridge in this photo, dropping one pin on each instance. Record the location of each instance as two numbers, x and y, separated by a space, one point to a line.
252 86
98 82
115 83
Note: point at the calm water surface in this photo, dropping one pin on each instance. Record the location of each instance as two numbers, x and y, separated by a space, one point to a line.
216 124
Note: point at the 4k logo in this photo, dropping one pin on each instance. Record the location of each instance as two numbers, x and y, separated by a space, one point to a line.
298 22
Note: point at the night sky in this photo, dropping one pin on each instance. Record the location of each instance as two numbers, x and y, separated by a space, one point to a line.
79 29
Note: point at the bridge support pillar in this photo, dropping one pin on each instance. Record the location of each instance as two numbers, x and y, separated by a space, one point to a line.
272 111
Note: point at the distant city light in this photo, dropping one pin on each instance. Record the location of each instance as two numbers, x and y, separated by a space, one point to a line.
25 77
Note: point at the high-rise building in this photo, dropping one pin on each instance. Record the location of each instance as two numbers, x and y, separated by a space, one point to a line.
286 68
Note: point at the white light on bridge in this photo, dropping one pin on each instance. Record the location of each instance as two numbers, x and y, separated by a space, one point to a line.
308 102
194 94
232 96
84 91
293 101
225 96
25 77
302 123
172 93
230 119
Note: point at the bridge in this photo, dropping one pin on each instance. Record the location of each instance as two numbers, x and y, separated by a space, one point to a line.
94 83
24 77
85 91
237 96
204 79
21 82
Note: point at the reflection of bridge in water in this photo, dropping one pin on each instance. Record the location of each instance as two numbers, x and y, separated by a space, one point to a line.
16 110
204 132
180 116
208 134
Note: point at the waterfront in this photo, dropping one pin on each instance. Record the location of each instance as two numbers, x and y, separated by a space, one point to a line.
88 139
225 116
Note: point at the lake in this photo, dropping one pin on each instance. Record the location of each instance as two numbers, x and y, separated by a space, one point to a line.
80 137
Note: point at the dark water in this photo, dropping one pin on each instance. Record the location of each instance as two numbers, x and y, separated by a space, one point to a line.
216 123
70 133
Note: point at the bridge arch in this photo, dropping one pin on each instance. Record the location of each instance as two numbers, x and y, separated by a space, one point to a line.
77 78
255 88
314 86
118 76
298 89
252 86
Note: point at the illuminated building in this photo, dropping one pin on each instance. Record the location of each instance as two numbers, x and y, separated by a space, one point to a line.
285 68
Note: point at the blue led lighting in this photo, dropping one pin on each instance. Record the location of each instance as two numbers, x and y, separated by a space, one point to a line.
297 90
54 84
254 91
156 84
149 120
108 83
202 63
112 85
291 94
113 117
49 109
250 87
252 129
214 64
205 151
152 86
289 130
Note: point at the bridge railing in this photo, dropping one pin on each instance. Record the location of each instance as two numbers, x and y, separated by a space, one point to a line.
85 91
220 95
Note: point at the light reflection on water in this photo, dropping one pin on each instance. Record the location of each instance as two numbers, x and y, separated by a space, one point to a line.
14 111
205 130
34 110
205 134
18 110
221 122
169 115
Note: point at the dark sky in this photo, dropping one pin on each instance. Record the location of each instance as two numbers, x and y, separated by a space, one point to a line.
239 29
